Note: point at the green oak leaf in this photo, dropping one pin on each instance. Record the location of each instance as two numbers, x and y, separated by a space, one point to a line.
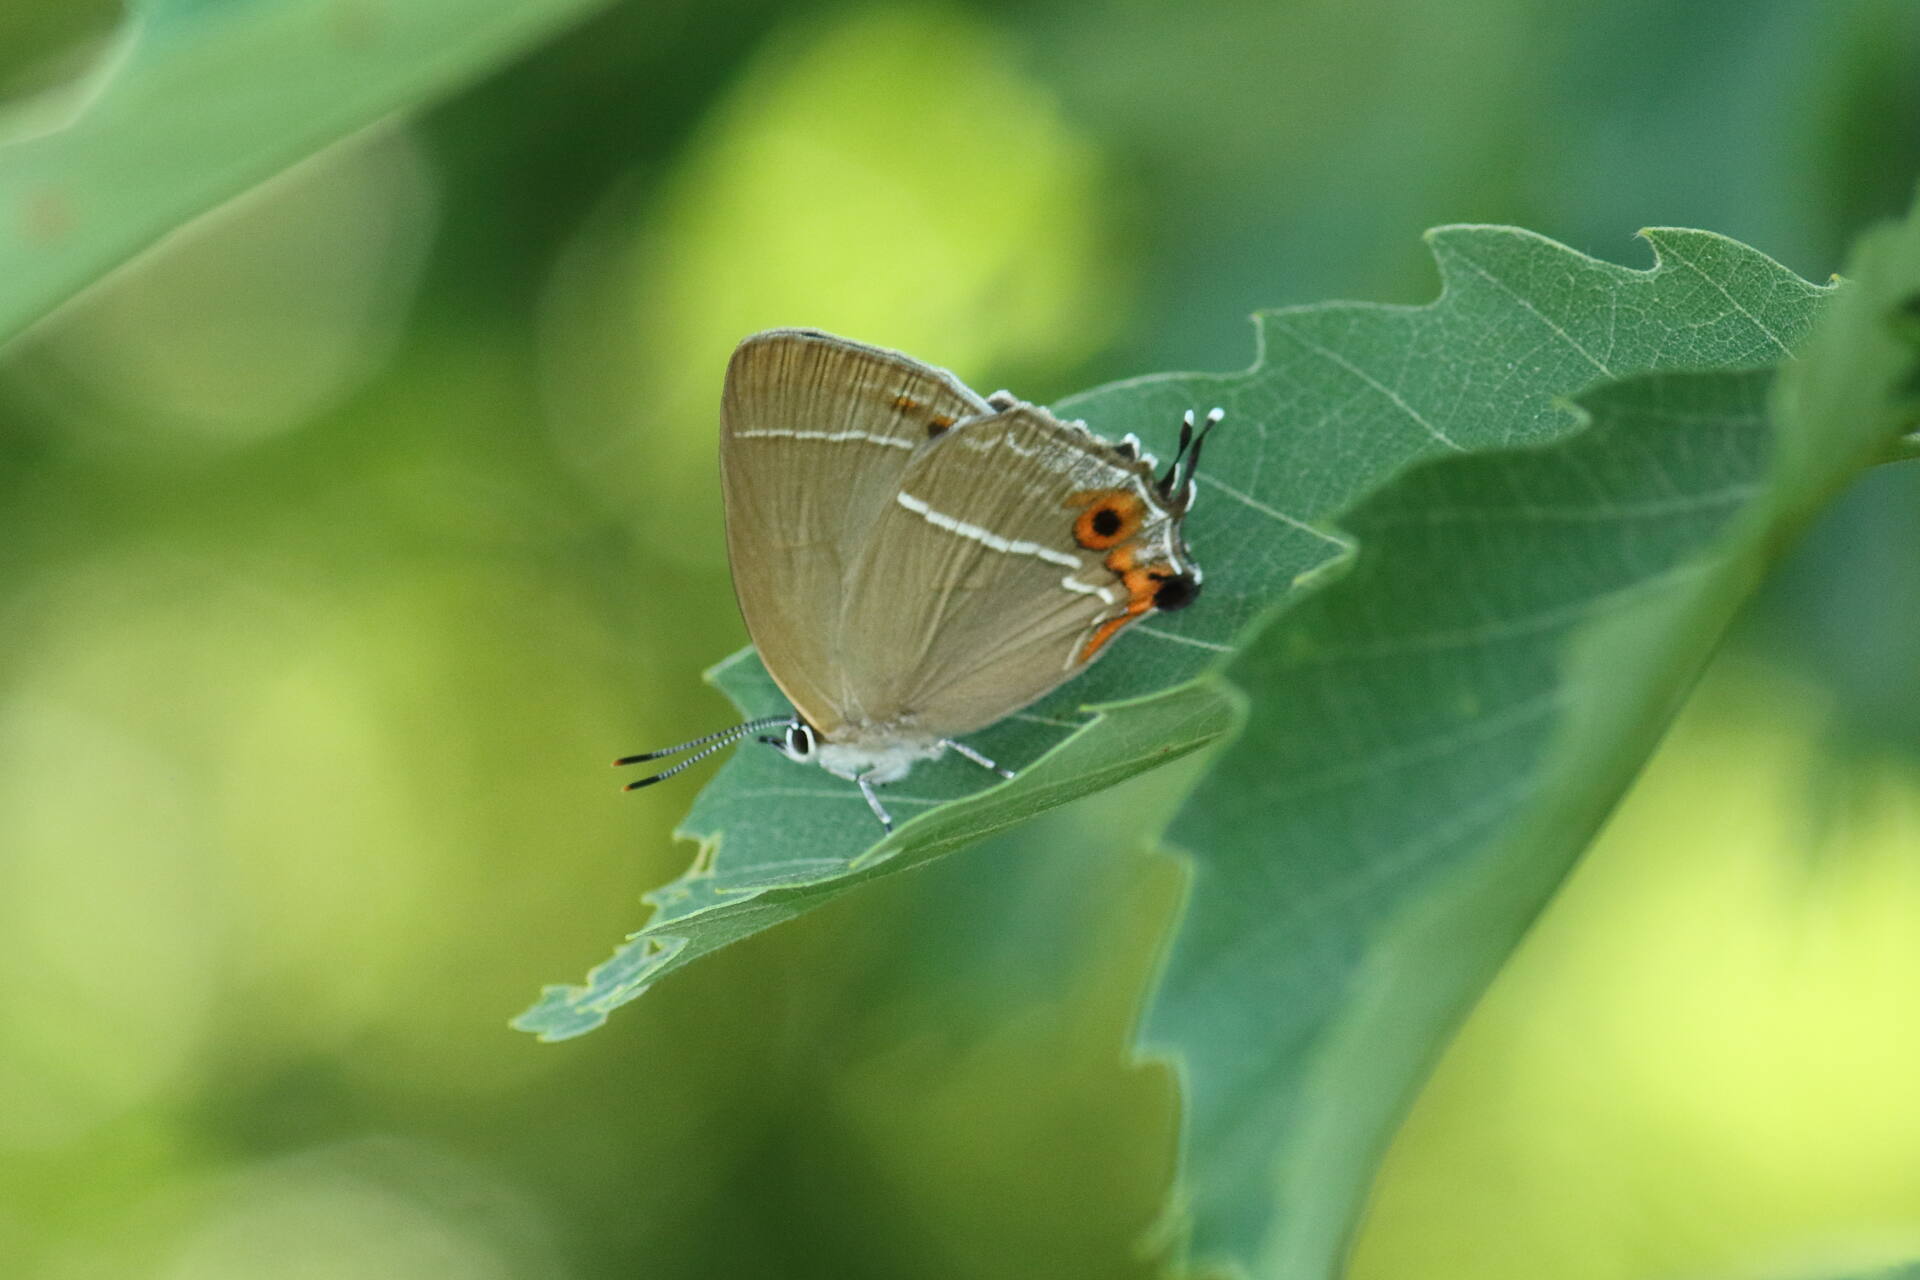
1433 739
1342 398
201 100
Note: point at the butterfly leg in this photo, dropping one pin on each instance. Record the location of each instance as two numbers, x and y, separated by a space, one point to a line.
976 757
873 803
866 789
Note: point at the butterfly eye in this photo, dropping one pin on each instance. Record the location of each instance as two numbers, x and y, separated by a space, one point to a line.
799 739
1176 592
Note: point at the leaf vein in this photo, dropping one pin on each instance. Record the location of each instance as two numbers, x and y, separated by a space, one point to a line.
1479 729
1732 301
1545 620
1335 358
1209 645
1272 512
1534 311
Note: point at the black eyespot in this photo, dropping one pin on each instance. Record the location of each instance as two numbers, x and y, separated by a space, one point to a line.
1106 522
799 739
1176 592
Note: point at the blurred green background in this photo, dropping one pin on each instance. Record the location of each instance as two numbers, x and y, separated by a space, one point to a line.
346 535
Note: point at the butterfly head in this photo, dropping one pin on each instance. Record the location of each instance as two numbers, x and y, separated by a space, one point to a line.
798 743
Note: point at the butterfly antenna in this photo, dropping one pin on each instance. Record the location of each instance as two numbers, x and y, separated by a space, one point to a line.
689 762
1214 417
1165 483
736 731
720 740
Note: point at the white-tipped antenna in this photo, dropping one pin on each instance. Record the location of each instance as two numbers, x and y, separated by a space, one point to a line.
1214 417
721 740
1165 484
1186 457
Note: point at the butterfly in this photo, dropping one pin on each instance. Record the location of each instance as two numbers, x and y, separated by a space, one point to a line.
915 561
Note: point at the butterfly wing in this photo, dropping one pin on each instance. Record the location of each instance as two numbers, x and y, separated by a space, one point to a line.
1010 552
815 434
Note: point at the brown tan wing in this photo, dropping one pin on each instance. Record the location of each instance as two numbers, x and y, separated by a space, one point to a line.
815 434
1012 550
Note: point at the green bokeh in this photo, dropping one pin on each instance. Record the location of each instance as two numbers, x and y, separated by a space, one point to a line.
346 536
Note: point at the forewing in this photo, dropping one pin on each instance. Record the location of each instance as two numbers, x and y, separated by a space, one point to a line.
816 432
978 591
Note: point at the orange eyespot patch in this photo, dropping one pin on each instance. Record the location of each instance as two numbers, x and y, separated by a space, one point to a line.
1108 517
1142 583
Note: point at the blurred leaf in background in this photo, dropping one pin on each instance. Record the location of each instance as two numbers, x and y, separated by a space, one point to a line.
1699 1064
967 219
347 534
51 58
